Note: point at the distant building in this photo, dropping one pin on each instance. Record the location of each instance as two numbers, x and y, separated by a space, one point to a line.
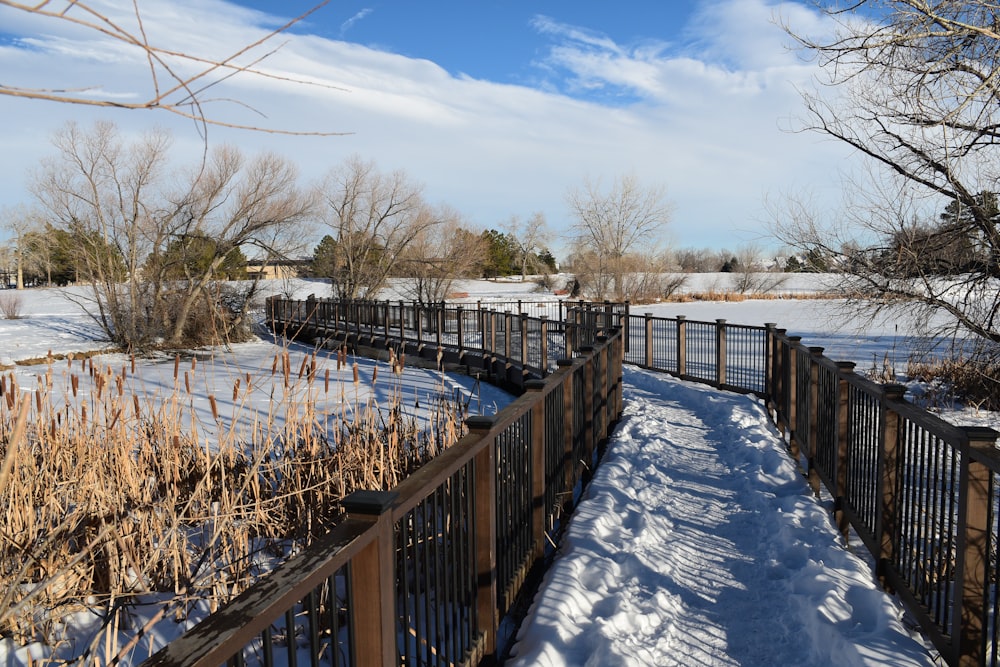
277 269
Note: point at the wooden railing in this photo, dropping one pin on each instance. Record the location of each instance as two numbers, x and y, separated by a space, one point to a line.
408 587
423 574
921 494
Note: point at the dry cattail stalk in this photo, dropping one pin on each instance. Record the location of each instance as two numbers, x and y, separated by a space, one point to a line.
156 465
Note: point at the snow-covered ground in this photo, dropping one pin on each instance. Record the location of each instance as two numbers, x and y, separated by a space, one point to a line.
698 543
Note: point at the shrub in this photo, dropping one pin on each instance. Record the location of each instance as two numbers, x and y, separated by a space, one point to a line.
10 305
973 379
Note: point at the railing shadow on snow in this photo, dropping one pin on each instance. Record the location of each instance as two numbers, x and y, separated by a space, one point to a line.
424 574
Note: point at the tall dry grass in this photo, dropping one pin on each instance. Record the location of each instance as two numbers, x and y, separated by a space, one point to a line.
108 494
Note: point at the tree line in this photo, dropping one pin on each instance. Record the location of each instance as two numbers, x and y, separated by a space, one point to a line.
156 247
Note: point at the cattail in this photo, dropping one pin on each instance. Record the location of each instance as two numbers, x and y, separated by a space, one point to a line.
194 363
38 401
302 366
133 364
177 365
187 382
135 404
355 369
236 390
326 382
375 375
274 365
74 382
215 408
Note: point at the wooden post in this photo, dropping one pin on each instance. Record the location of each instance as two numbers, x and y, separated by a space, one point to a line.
792 377
888 443
570 335
544 325
845 368
418 314
386 318
973 561
769 342
681 346
588 411
486 535
460 330
620 387
601 388
568 412
720 352
440 324
373 581
816 353
311 320
507 319
538 471
492 326
523 324
624 323
648 329
402 326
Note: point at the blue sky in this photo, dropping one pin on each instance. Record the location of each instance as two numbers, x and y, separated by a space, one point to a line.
497 108
507 42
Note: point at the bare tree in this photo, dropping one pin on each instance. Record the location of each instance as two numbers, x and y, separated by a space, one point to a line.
917 85
114 201
530 237
629 218
372 217
104 192
178 79
440 254
237 203
23 223
750 276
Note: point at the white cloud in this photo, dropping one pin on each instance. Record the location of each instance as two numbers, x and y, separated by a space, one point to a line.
701 124
349 23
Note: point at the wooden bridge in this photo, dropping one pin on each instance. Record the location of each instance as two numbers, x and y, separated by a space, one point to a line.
426 573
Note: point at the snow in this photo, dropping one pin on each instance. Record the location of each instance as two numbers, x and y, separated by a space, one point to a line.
697 542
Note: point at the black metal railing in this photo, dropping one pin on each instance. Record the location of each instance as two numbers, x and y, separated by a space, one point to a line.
921 494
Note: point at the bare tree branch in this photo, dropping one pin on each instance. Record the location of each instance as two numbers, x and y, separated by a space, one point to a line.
183 96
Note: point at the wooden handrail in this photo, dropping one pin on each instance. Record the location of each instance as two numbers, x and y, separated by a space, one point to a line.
870 427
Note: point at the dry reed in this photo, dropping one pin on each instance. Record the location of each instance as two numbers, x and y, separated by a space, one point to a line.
111 494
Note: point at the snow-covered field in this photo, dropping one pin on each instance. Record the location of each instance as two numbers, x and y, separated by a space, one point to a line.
698 543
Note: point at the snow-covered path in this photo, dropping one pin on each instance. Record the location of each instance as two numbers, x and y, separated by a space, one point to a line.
699 544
